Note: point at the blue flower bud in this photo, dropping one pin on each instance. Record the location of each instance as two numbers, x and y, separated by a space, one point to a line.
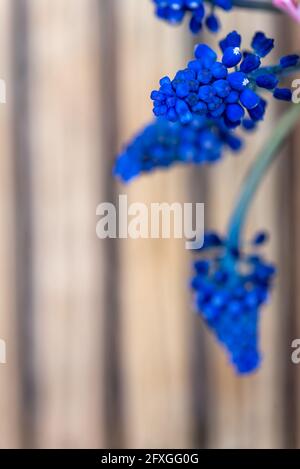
204 76
232 39
261 44
165 81
233 97
218 111
248 124
171 102
283 94
260 238
200 108
194 65
214 103
172 115
195 25
268 81
193 4
238 80
222 88
219 70
182 90
205 55
212 240
206 93
198 11
160 110
171 15
289 60
234 112
176 4
224 4
192 99
250 63
212 23
201 266
249 99
258 112
181 107
231 124
157 96
231 57
234 142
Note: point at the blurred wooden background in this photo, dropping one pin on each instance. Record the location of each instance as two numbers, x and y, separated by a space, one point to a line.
103 348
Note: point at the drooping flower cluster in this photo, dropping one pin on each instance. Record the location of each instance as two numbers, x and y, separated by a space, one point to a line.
162 143
174 12
209 87
230 288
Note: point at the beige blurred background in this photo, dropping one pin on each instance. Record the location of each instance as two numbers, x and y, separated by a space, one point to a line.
103 347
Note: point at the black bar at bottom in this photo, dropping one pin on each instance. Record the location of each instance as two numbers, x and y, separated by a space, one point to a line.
134 458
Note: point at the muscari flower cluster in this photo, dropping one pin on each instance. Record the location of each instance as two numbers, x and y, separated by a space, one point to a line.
163 143
174 12
230 288
209 87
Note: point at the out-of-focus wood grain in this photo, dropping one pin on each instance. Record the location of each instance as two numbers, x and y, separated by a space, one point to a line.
10 401
156 314
65 132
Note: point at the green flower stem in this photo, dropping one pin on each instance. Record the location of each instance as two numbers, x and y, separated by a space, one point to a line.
253 4
258 170
275 70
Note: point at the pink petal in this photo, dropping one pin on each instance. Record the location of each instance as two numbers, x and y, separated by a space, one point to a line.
290 7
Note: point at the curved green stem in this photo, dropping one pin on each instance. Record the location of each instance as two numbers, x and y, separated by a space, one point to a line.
276 70
253 4
258 170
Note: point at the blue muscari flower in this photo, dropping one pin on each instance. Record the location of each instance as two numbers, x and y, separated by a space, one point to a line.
258 112
230 288
248 124
234 112
249 99
283 94
232 39
267 80
260 238
212 23
210 87
289 60
212 240
224 4
163 143
174 11
250 63
231 57
261 44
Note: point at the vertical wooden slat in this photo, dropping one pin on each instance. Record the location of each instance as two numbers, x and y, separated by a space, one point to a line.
23 216
10 418
294 382
65 130
109 141
156 312
293 385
